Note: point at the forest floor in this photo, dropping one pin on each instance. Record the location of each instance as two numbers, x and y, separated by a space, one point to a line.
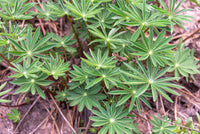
43 117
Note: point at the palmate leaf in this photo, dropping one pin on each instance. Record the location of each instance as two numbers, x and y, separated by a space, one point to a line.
113 120
119 9
99 61
158 51
3 93
62 95
111 39
151 78
55 67
145 18
183 63
33 84
125 48
83 9
103 18
14 115
64 42
86 97
134 94
173 14
17 12
58 9
108 76
14 32
32 47
46 13
27 70
162 126
79 74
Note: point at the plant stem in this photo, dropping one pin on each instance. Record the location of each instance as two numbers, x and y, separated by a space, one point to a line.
76 36
80 24
7 61
88 30
109 49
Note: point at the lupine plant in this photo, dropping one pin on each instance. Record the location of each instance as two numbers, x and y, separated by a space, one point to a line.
14 115
115 59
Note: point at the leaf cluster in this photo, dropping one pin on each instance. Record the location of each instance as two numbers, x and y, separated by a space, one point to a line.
115 57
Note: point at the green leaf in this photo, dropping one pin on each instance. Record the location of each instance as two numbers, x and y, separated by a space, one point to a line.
14 115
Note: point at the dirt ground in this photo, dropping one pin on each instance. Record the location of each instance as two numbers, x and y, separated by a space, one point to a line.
42 116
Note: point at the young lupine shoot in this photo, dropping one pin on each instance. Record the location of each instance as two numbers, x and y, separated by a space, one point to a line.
162 126
14 115
83 9
158 51
183 63
100 61
145 18
55 67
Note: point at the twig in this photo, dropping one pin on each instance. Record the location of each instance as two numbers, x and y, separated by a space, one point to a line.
188 93
54 27
191 34
58 27
41 123
54 121
86 129
26 113
6 60
41 24
62 114
175 108
13 105
161 101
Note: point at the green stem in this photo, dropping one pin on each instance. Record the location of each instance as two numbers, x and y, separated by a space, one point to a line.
76 36
65 54
88 31
109 49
